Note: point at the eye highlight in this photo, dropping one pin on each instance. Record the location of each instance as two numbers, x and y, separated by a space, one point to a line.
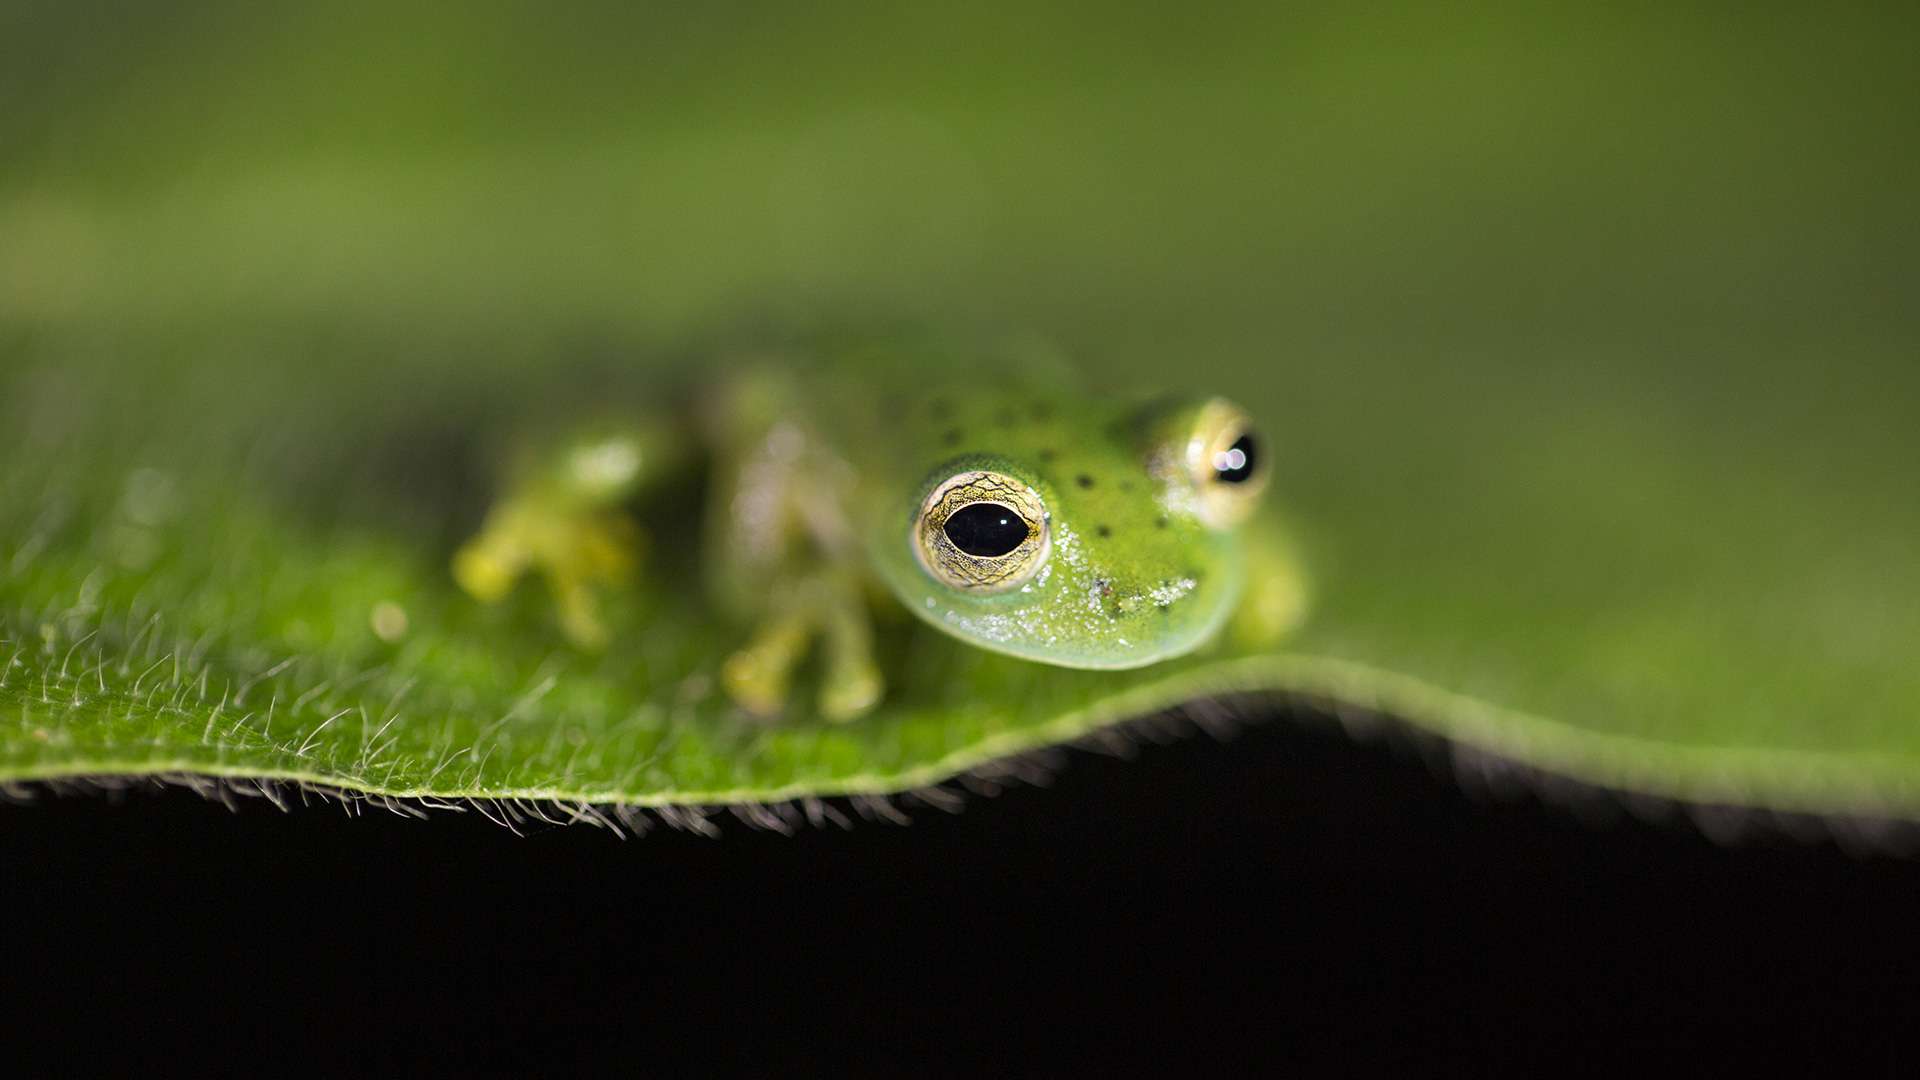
1226 462
1239 463
983 532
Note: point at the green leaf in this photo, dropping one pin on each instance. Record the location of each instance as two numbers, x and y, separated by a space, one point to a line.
255 586
1595 414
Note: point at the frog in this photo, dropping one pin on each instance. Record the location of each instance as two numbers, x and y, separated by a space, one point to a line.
990 490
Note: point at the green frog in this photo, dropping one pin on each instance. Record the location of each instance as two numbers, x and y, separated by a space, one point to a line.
985 489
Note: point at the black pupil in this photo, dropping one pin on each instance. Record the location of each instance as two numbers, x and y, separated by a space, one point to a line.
986 530
1235 465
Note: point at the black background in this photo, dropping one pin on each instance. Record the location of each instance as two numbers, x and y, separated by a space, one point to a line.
1287 898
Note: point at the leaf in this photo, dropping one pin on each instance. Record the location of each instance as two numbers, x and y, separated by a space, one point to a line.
266 596
1595 426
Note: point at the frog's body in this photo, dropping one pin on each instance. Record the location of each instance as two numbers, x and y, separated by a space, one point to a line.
981 489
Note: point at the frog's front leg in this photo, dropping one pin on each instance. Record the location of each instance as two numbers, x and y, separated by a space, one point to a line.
562 517
851 684
829 606
783 557
1275 601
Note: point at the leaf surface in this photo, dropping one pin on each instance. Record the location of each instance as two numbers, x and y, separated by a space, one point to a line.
1594 412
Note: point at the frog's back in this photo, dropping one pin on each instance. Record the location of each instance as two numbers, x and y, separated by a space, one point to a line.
895 409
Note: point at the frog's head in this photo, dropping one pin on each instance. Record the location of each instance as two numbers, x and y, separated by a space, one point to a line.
1110 542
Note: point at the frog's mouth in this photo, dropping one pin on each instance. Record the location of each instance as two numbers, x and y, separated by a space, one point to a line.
1090 621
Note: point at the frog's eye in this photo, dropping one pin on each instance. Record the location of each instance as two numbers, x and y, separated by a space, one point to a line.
983 532
1227 463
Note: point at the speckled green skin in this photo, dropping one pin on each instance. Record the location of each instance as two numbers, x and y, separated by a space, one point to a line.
1120 539
822 465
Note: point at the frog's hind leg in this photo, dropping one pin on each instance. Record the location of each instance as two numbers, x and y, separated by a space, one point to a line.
600 551
562 517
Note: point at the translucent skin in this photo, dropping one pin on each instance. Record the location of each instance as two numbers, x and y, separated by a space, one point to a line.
822 468
1134 575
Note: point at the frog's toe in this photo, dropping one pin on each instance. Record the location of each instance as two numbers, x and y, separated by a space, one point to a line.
578 610
851 685
850 693
759 677
485 572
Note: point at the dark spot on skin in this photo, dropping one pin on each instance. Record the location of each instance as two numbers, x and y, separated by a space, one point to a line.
1047 456
1083 480
953 436
1160 523
1103 531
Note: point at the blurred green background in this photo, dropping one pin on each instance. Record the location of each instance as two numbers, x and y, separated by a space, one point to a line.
1313 177
1587 334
